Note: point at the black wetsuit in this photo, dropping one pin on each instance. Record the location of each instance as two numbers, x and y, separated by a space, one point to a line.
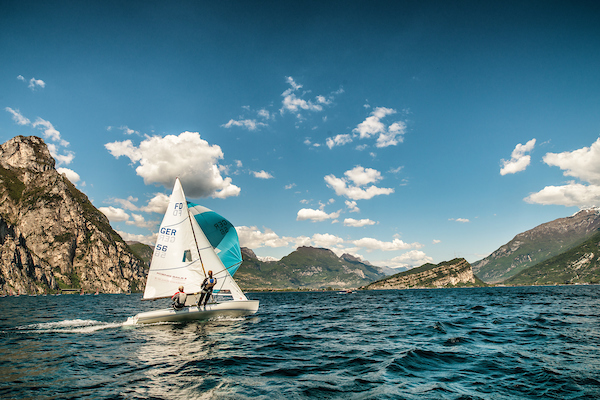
207 287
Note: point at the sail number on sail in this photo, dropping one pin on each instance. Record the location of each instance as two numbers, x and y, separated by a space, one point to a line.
222 226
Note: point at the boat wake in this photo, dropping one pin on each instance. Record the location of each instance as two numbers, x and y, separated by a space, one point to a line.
70 326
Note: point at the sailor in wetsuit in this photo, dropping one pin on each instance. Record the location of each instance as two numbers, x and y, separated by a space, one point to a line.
207 287
179 299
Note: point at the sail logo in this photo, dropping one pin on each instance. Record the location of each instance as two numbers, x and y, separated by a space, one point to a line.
167 235
178 209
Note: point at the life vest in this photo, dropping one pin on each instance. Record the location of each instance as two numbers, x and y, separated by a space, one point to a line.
179 299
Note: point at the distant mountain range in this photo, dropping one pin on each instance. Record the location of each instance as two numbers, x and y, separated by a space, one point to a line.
305 268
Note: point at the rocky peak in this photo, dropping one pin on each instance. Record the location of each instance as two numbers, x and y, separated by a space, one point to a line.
51 236
26 153
248 253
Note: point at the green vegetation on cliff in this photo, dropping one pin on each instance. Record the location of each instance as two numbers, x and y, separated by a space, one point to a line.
580 264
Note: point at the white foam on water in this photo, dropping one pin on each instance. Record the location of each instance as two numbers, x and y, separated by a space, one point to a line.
71 326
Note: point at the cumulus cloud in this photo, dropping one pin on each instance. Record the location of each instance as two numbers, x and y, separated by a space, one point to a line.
413 258
326 240
140 222
261 174
187 156
463 220
315 215
358 223
352 186
519 161
583 164
569 195
114 214
371 244
254 238
70 174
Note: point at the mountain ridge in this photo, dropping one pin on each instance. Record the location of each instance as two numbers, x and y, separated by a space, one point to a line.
537 245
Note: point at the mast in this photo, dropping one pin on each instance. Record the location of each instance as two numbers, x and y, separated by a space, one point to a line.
196 241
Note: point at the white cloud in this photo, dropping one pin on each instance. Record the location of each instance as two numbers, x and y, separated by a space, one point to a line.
413 258
33 83
296 104
140 222
372 125
250 124
114 214
290 186
315 215
436 241
186 156
253 238
339 140
583 164
572 194
358 223
64 158
70 174
326 240
363 176
393 136
359 176
125 129
261 174
519 161
463 220
18 117
352 206
371 244
150 240
49 131
158 204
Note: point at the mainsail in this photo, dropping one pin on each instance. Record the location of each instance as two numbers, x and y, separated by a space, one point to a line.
221 234
183 255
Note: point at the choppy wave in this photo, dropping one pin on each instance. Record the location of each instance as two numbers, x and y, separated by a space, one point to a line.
490 343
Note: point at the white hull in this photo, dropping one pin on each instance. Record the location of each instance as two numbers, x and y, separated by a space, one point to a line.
194 313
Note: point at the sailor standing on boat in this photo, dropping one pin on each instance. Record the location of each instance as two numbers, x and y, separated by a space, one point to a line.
207 287
179 299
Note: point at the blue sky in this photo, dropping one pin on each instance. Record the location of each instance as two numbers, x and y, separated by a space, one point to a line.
403 132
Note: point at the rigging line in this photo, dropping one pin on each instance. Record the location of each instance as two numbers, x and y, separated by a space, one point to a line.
196 241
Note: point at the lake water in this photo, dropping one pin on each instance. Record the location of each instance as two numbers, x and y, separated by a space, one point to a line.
482 343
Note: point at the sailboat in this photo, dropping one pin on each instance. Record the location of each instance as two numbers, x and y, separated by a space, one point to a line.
191 241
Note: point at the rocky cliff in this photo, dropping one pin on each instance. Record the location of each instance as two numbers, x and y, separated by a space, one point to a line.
457 272
537 245
51 236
